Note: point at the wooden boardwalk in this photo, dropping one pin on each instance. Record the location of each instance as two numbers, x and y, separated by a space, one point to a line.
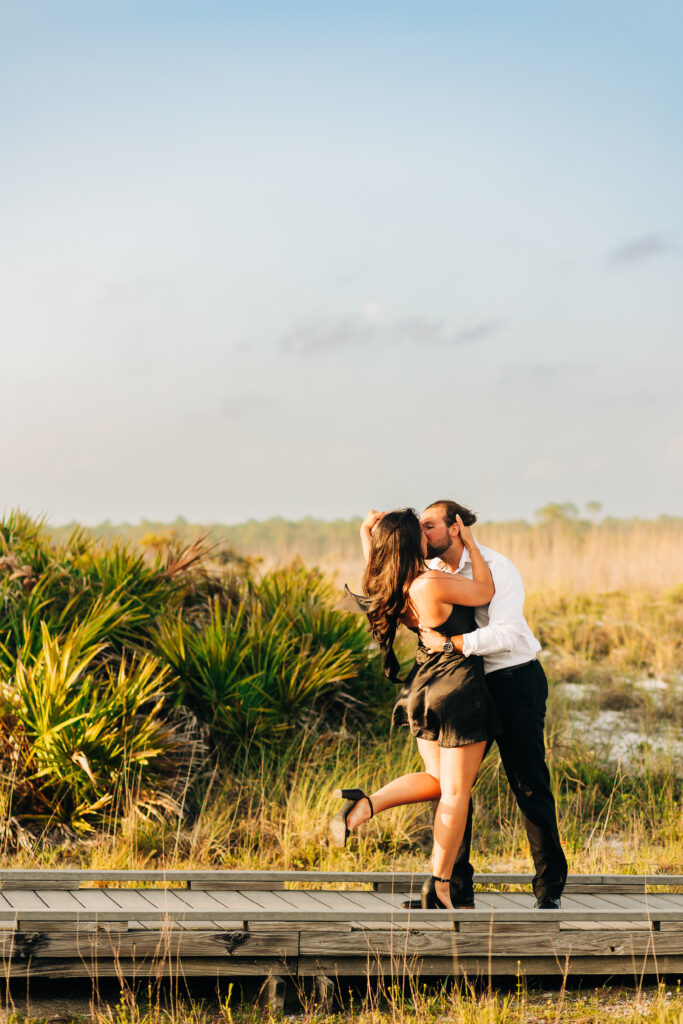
132 925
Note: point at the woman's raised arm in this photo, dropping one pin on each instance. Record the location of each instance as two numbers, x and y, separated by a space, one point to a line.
366 527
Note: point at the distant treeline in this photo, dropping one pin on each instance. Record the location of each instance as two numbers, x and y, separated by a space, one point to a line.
561 549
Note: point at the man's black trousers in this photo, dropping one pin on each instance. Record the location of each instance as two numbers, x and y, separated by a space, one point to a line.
520 694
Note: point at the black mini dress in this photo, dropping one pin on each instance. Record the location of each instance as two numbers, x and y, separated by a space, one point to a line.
445 697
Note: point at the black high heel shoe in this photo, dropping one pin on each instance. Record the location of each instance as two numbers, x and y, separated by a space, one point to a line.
338 830
428 897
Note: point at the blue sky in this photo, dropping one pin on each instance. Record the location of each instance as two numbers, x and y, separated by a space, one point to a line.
306 258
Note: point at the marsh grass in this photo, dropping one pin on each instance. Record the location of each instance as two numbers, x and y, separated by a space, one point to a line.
276 814
511 1001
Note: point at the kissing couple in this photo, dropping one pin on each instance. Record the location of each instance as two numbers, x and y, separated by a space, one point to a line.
476 679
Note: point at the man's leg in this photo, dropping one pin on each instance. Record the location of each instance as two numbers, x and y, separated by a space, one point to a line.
520 695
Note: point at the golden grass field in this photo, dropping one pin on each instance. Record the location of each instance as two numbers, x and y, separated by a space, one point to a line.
645 556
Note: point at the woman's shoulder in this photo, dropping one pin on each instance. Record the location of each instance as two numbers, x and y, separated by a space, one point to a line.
425 579
429 575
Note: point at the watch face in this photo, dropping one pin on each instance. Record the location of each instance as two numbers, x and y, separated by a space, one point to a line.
447 646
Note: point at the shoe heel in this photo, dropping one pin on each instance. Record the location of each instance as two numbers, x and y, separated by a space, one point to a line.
339 833
338 828
428 897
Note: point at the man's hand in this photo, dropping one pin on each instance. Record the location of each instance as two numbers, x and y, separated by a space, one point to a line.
434 641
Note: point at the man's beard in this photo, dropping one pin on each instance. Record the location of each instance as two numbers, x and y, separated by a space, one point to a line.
434 552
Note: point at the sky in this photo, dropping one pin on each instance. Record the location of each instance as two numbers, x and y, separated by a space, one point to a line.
304 258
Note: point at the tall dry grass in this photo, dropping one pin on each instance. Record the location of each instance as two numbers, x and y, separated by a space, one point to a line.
411 1001
629 556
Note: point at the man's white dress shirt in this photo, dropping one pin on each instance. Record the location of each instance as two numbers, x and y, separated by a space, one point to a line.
503 635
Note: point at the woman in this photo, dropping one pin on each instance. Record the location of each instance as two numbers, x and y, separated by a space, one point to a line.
444 700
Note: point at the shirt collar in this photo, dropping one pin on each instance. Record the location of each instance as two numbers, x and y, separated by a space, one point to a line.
464 560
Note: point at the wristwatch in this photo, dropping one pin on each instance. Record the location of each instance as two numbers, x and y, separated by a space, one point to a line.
448 647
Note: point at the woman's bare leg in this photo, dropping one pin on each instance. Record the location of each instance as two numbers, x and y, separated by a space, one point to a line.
407 789
458 771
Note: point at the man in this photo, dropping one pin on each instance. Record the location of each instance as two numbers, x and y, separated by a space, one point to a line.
520 690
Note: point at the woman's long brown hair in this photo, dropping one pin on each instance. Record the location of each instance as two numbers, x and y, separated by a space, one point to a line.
395 560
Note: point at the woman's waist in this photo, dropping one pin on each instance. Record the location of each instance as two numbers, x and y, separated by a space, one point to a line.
424 656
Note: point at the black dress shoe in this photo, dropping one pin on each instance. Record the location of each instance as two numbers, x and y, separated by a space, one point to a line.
547 903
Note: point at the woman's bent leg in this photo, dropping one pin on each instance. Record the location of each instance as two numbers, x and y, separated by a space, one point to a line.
458 771
407 789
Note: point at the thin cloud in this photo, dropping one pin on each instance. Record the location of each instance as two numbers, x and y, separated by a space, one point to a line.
478 332
240 407
369 327
318 335
639 250
547 375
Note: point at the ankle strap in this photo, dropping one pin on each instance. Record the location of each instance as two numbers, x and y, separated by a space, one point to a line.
437 879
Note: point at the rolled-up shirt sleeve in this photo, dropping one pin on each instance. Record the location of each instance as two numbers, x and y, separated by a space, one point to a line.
506 623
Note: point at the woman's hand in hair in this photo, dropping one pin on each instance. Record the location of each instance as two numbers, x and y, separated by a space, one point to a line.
466 535
371 520
366 527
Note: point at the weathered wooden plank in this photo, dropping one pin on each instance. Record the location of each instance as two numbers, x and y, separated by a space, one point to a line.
30 969
415 917
367 901
166 901
484 967
23 899
340 901
655 901
471 967
96 899
493 926
207 925
261 884
522 945
625 883
310 926
235 902
410 888
334 900
379 943
55 878
38 883
373 900
71 927
199 899
286 900
606 926
160 944
505 900
58 899
131 900
394 900
602 904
